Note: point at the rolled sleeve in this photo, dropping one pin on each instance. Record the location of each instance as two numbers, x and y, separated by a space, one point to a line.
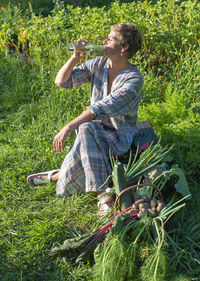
81 74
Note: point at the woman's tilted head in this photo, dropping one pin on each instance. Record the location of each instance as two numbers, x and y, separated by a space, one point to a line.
129 34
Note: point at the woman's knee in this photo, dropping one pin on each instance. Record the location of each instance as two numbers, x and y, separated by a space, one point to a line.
85 127
86 130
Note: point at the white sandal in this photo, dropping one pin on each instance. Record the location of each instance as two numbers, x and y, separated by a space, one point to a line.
36 179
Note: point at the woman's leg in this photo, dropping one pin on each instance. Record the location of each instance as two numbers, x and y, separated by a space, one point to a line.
94 153
86 166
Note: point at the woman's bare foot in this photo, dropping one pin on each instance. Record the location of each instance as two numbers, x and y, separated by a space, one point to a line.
55 176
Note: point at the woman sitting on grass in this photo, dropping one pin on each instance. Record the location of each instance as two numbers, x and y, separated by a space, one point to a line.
110 120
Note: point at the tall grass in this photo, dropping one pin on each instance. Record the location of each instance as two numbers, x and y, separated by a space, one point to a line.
33 110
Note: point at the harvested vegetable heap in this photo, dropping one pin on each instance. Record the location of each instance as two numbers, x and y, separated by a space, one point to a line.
133 243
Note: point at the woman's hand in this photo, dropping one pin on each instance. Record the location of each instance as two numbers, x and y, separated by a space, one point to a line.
58 142
59 139
79 48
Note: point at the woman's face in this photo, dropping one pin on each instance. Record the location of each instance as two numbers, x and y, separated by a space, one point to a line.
112 44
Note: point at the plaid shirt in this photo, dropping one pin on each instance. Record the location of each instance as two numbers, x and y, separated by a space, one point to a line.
114 125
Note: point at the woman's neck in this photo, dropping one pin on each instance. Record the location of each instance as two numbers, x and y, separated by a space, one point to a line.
119 65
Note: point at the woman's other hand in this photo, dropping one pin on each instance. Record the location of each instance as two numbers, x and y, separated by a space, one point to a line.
58 142
59 139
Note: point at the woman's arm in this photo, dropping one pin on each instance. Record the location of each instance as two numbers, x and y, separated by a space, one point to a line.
58 143
66 70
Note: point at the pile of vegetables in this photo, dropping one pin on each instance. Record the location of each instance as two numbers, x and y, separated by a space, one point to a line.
132 242
120 257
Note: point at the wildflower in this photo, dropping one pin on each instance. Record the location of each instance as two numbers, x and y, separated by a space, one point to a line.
176 62
198 40
153 66
173 43
151 82
179 54
166 83
11 45
175 78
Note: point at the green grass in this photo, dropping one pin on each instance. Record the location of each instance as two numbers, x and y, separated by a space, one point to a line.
33 110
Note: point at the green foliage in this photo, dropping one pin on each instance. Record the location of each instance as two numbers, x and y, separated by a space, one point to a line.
147 269
184 240
33 110
117 259
45 7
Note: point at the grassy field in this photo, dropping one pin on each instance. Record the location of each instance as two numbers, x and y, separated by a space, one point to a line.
32 110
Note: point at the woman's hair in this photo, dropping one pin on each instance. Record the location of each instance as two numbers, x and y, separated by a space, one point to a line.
129 34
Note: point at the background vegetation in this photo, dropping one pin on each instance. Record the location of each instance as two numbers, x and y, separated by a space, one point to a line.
32 110
46 6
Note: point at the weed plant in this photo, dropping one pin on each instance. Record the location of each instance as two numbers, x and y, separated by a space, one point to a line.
33 110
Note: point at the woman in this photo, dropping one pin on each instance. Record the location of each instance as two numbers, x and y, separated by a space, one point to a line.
110 120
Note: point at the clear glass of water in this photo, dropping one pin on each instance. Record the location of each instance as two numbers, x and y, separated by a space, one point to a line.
86 48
